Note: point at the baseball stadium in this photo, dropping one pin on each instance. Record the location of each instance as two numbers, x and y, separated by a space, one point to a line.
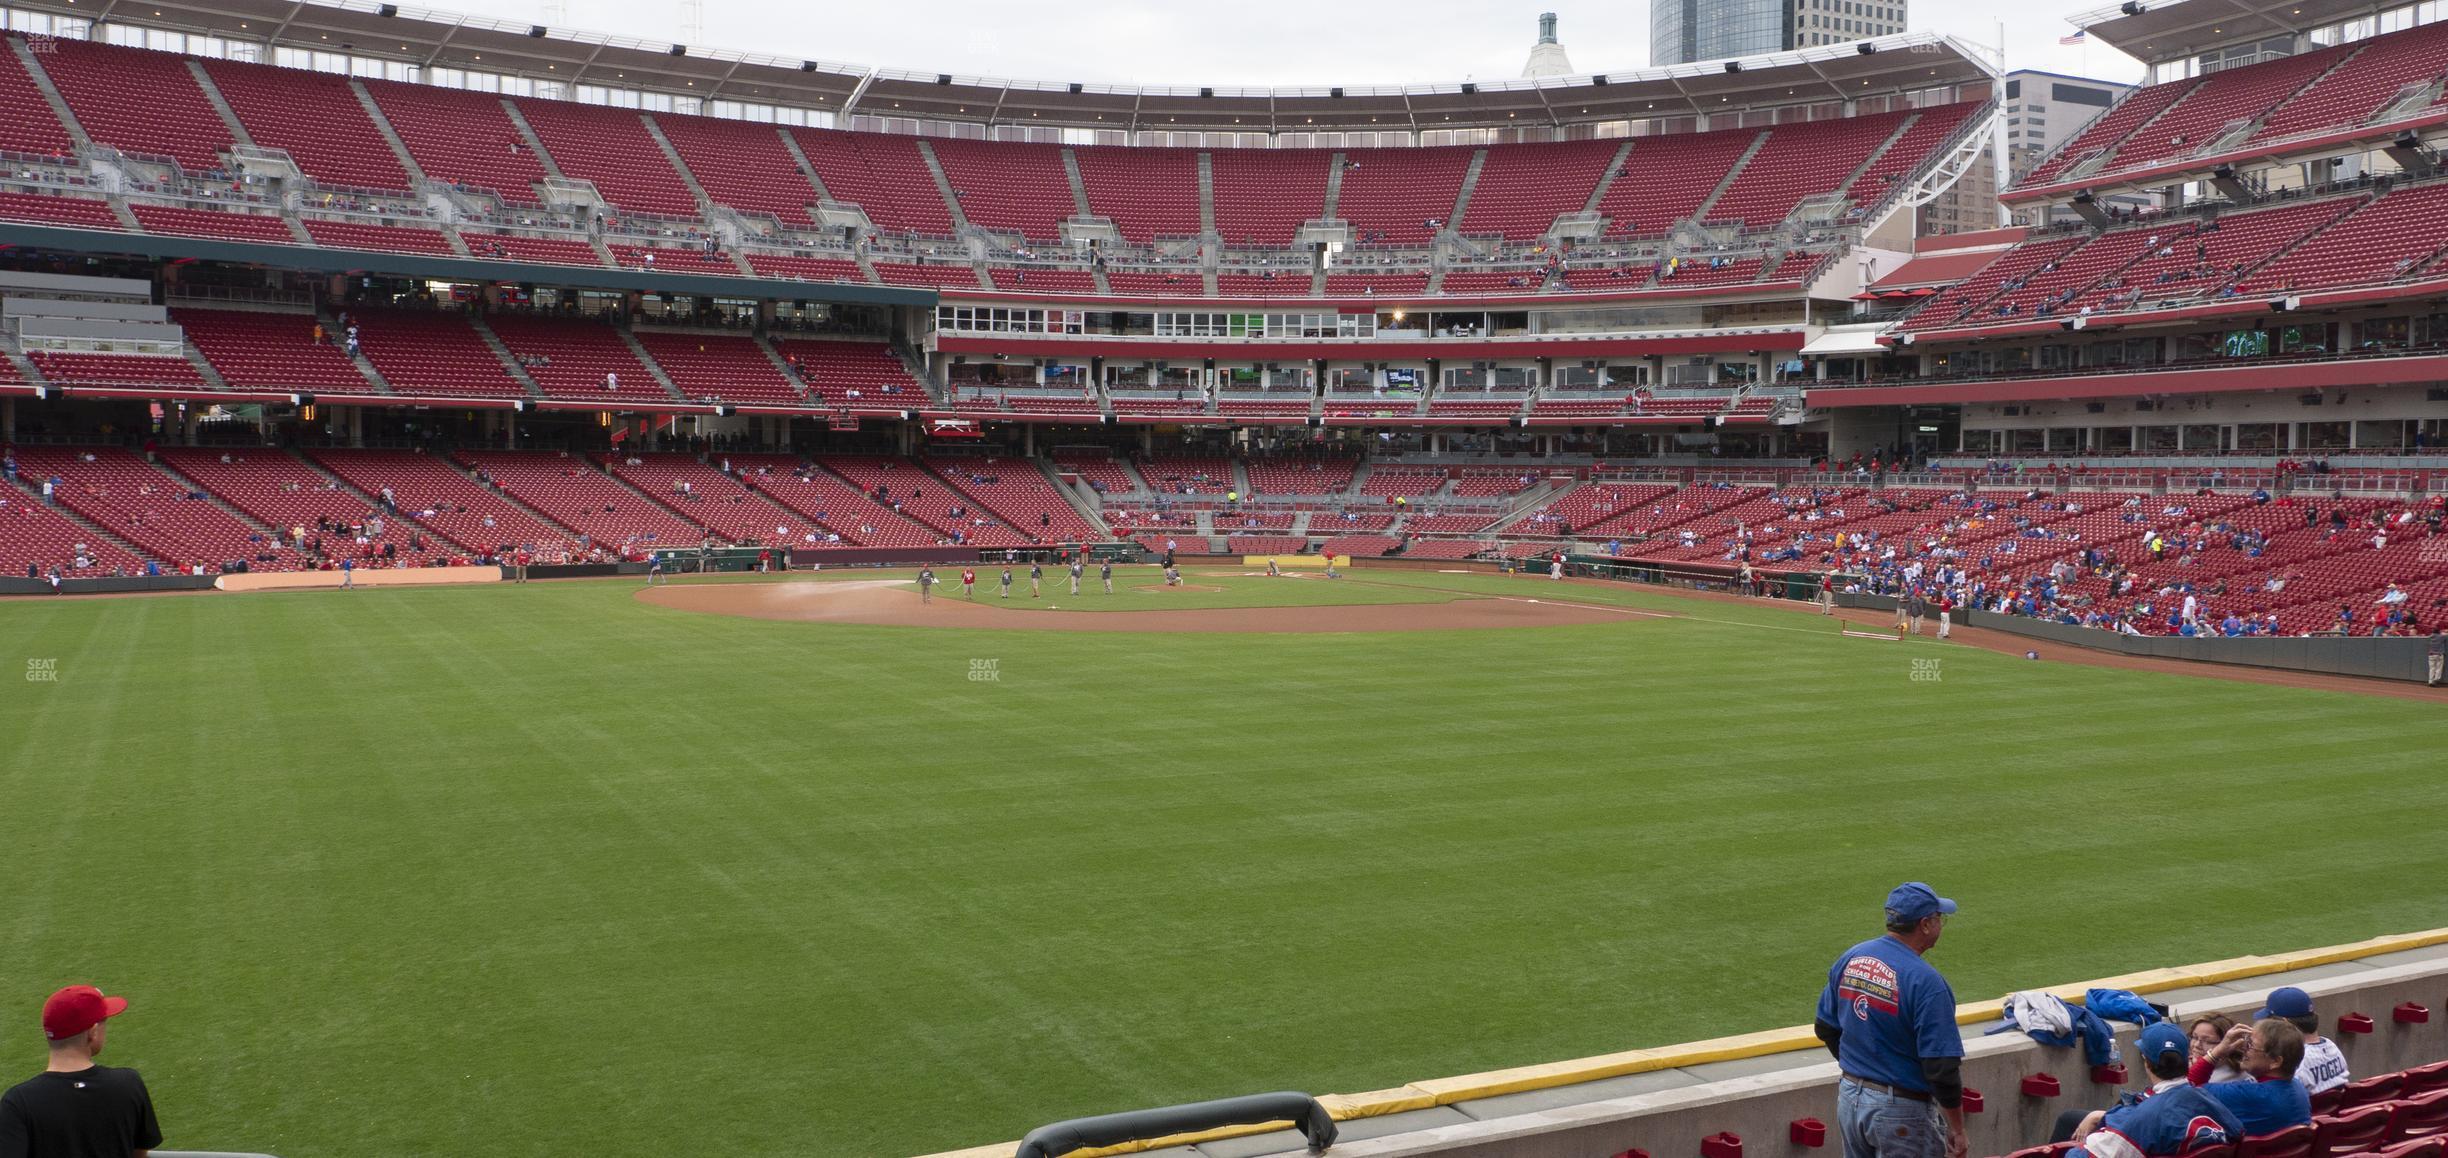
580 594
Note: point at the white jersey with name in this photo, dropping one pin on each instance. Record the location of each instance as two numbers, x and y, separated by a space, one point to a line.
2323 1068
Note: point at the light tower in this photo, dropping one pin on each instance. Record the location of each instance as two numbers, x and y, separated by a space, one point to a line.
1547 56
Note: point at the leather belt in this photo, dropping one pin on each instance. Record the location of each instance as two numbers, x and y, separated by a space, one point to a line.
1891 1091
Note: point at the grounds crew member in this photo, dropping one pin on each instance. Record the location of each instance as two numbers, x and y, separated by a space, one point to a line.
1007 580
1889 1018
1036 572
1105 572
926 585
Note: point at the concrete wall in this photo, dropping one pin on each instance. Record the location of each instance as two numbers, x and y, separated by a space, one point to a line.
1667 1112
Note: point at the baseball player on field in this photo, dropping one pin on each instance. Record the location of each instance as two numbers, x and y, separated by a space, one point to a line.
969 582
1272 570
654 569
1076 568
926 585
1036 573
1105 572
1007 583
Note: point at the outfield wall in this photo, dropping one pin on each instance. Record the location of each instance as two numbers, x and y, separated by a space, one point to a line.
2401 658
1755 1086
124 586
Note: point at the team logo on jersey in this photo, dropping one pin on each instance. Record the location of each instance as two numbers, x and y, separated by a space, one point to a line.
1866 984
2203 1130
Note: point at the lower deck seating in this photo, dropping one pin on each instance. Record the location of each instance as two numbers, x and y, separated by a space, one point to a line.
1015 491
440 497
302 505
36 540
729 502
165 516
575 492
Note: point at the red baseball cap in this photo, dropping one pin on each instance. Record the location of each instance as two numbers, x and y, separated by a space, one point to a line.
78 1008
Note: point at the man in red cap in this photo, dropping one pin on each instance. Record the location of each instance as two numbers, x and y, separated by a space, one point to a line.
75 1108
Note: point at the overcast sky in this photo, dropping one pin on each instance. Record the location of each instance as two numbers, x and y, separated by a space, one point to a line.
1247 42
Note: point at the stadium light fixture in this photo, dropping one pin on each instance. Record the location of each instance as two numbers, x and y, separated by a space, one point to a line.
679 50
535 31
1733 66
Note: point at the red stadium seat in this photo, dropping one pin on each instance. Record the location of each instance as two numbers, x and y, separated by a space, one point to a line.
2292 1142
2372 1091
2425 1079
2433 1146
2352 1132
2423 1117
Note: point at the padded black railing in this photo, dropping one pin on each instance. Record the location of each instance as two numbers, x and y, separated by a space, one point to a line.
1303 1111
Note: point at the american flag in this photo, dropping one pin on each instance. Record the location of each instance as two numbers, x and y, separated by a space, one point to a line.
2080 35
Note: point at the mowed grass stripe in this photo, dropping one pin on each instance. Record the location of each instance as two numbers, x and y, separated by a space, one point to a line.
522 870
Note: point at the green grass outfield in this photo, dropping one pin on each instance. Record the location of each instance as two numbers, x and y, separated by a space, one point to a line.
544 870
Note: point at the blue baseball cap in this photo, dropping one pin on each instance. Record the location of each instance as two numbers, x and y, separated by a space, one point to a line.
1912 900
2158 1041
2286 1002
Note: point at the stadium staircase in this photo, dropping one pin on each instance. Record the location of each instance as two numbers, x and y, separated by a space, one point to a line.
212 496
1470 183
943 186
212 96
535 146
1079 502
399 148
1207 217
1700 212
1606 180
203 365
50 93
373 377
798 156
32 496
661 376
507 499
1844 192
501 351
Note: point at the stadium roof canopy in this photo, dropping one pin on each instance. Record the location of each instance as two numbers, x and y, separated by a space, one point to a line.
2159 31
369 28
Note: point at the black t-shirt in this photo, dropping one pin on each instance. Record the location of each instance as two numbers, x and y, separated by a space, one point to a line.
100 1112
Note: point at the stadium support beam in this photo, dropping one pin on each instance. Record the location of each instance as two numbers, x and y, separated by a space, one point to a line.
583 67
1002 96
1412 115
441 42
719 85
282 32
857 93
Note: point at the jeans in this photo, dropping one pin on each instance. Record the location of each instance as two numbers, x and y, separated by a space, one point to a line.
1881 1125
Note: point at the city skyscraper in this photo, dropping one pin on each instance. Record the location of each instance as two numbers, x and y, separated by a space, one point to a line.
1683 31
